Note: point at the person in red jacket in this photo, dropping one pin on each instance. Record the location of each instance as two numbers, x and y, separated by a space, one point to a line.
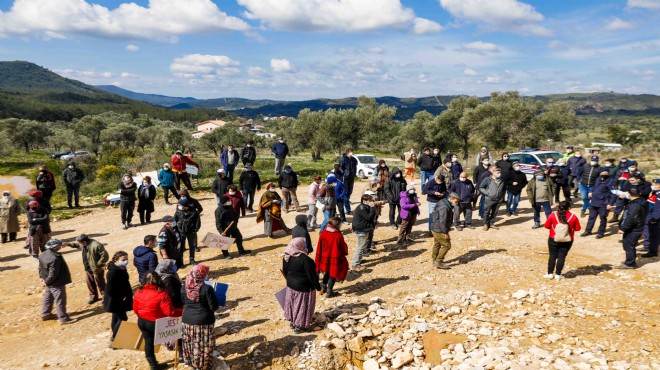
558 250
150 303
237 202
179 164
331 252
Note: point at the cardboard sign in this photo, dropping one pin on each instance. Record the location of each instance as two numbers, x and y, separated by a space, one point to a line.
212 240
192 170
168 329
220 290
130 337
281 297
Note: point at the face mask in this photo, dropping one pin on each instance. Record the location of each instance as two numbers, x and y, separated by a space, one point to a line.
174 268
281 141
516 168
333 185
180 208
624 160
232 192
383 165
550 164
272 190
436 152
166 168
541 178
486 163
350 154
578 155
454 159
462 179
287 171
411 192
145 183
632 169
498 176
230 149
397 175
249 145
122 264
603 178
593 163
71 167
608 164
173 223
227 203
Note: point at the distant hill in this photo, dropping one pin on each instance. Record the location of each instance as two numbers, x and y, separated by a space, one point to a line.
163 100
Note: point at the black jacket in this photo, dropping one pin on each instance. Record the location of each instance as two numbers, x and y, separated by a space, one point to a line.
588 174
476 174
515 176
425 162
73 177
363 218
248 155
187 222
464 189
634 216
288 180
431 187
436 161
250 180
145 260
561 174
147 203
118 296
53 269
38 218
300 273
300 231
127 194
394 186
348 166
220 185
442 217
173 286
224 215
505 165
200 312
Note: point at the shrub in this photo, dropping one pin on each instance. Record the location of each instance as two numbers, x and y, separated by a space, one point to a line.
109 173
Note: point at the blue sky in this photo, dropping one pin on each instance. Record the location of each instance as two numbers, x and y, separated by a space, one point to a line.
304 49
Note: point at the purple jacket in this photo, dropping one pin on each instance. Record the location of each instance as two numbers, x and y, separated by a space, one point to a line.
407 206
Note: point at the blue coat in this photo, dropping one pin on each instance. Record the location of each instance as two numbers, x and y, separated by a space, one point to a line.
431 187
224 155
574 163
166 178
280 150
456 169
464 189
340 190
145 260
601 195
655 213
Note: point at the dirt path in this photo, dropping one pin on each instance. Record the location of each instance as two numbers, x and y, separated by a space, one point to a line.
253 331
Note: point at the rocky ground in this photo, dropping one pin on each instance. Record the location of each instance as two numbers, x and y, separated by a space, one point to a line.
491 310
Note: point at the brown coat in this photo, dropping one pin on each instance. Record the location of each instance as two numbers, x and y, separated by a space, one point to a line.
9 211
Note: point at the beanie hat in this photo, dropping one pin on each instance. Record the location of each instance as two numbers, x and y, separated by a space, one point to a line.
53 243
410 187
656 181
221 170
594 158
183 192
183 202
454 195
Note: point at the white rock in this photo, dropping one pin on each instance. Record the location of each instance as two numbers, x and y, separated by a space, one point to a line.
335 327
520 294
371 364
403 358
383 313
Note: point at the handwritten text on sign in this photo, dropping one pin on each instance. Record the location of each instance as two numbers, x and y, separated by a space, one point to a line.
168 329
212 240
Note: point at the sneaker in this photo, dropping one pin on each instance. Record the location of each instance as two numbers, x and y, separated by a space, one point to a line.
559 277
585 234
50 316
549 276
125 227
623 266
436 264
649 255
536 225
192 262
509 214
197 249
227 257
442 266
514 213
486 227
67 321
92 300
410 238
642 248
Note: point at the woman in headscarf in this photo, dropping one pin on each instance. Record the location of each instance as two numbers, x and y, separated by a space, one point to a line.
127 189
146 196
39 197
331 252
270 211
118 296
39 230
301 281
9 211
199 303
166 269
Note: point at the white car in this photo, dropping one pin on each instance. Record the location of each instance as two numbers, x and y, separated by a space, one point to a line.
78 153
532 160
367 164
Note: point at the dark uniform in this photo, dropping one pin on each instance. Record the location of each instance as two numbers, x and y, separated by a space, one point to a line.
632 225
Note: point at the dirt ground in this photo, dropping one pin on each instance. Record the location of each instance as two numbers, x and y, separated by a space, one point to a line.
253 333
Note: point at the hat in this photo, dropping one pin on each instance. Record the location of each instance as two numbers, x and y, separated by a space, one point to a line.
221 170
594 158
483 148
53 243
166 164
82 238
516 164
183 202
168 218
371 192
497 169
280 138
178 152
656 181
410 187
569 147
427 148
454 195
71 163
447 160
224 199
634 191
539 172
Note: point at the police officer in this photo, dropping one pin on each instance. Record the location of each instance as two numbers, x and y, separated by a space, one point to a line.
602 201
632 226
653 222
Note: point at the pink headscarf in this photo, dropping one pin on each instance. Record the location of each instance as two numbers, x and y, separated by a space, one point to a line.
295 248
195 280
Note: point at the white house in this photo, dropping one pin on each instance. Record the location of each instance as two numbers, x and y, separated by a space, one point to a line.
207 126
608 146
265 135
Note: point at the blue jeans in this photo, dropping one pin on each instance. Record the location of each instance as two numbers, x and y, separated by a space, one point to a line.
537 211
349 182
426 175
512 202
340 207
584 193
229 172
327 215
482 207
431 208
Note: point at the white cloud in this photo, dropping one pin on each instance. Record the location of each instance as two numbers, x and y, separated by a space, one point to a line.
132 48
554 44
160 19
479 47
644 4
323 15
503 15
193 64
492 80
423 78
255 71
617 24
128 75
376 50
423 26
281 65
470 72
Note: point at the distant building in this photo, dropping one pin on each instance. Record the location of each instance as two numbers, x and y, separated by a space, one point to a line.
265 135
608 146
207 127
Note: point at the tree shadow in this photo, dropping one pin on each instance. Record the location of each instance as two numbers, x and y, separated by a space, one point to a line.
265 352
515 221
214 275
7 268
233 327
473 255
588 270
73 239
365 287
395 255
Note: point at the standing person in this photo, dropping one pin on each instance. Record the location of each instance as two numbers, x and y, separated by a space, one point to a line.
144 257
168 241
441 218
560 177
574 164
348 165
540 194
363 226
449 155
300 231
192 202
514 184
635 180
127 189
340 195
602 201
54 275
236 198
483 155
632 226
409 212
229 159
9 211
480 172
436 158
312 211
393 187
146 196
435 190
45 182
166 269
270 211
39 197
94 258
72 177
188 223
456 167
226 222
280 150
410 162
250 183
220 185
288 182
492 190
301 282
118 296
166 177
179 164
464 188
622 171
39 229
653 222
609 166
381 177
331 252
587 175
569 153
562 225
249 153
199 305
425 163
505 164
326 196
446 171
150 303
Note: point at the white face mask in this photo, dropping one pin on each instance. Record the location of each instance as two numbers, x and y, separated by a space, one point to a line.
462 179
397 175
180 208
632 169
516 168
249 145
382 165
145 183
593 163
454 159
122 264
411 192
272 190
232 192
578 155
486 163
436 152
230 149
71 167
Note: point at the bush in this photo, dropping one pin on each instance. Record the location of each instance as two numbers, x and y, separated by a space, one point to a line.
109 172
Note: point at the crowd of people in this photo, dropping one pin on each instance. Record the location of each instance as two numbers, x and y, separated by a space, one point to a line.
451 197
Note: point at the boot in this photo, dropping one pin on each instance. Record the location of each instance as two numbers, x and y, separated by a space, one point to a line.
615 218
153 364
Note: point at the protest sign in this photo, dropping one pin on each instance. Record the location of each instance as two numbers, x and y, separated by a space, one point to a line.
129 336
220 290
168 329
192 170
212 240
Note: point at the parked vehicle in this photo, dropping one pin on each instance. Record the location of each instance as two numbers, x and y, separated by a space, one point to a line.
532 160
60 154
366 165
77 153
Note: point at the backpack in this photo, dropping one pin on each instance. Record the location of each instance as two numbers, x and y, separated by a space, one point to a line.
562 231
